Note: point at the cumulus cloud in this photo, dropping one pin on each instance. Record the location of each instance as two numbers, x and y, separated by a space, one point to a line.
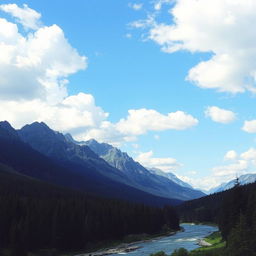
74 114
36 65
220 115
142 120
249 155
231 155
212 27
249 126
138 122
166 164
26 16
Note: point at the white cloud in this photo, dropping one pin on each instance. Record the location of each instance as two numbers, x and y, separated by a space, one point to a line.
231 155
74 114
249 155
220 115
249 126
241 164
136 6
231 170
37 64
26 16
138 122
166 164
142 120
220 27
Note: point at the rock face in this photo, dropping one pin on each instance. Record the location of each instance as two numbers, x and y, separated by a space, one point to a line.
243 180
152 181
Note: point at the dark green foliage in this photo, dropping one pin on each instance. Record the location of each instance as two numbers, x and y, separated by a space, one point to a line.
159 254
180 252
35 215
235 213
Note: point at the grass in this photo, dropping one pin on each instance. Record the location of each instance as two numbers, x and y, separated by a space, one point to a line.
214 250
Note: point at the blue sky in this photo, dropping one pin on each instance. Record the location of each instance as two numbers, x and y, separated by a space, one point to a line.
135 60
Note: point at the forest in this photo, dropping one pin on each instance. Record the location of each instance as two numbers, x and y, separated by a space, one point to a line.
234 211
36 216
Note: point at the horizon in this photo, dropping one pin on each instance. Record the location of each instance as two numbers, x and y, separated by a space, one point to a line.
131 74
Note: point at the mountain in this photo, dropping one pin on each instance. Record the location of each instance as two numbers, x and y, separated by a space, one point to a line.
141 177
243 180
56 146
170 176
21 158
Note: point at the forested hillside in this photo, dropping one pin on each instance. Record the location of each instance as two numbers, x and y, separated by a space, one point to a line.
35 215
235 213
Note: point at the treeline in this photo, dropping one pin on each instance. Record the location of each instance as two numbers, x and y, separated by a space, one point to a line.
235 213
35 216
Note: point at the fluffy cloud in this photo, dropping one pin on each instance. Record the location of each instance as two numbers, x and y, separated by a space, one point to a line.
213 27
231 170
142 120
74 114
166 164
249 155
249 126
245 163
220 115
231 155
240 164
37 64
138 122
29 18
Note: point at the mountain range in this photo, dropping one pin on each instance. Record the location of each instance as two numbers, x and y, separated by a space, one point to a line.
98 168
243 180
151 181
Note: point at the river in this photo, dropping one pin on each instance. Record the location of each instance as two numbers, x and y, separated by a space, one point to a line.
187 239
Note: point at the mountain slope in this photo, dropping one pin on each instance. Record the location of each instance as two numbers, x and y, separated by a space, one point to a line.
170 176
243 180
140 176
23 159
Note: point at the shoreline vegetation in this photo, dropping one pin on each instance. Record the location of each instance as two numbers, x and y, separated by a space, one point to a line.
124 247
211 245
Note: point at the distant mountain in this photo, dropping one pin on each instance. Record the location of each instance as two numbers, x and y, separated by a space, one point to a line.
171 177
142 178
243 180
19 157
55 145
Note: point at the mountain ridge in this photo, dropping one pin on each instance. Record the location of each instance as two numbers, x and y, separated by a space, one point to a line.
144 178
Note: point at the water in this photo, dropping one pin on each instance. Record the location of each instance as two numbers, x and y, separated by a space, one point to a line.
186 239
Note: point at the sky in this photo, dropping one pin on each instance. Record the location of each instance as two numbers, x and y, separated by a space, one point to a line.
172 83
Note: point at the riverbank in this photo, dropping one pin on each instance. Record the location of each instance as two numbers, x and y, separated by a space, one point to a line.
210 245
127 247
